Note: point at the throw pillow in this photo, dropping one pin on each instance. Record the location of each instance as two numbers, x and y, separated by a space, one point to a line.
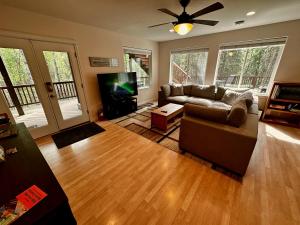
230 96
203 91
207 113
220 93
177 90
166 89
238 113
248 97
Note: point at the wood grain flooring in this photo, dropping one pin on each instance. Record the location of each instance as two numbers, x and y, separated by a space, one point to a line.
119 177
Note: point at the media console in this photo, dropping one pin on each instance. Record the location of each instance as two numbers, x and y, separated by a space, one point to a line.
117 106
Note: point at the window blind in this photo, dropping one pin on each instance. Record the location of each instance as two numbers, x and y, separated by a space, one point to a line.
183 51
137 51
251 44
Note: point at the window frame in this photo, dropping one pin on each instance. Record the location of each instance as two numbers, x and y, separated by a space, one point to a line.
142 52
252 44
187 50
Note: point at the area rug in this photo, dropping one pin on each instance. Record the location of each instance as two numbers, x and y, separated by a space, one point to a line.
75 134
140 123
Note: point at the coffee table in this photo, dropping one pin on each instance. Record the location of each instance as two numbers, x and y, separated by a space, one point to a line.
166 116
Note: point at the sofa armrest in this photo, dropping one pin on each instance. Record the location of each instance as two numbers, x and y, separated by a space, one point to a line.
222 144
162 99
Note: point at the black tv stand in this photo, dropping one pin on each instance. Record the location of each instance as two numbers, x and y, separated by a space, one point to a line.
116 106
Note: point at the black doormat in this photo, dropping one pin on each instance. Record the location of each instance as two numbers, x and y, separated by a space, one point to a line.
76 134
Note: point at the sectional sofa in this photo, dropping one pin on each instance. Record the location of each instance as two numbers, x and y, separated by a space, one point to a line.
219 125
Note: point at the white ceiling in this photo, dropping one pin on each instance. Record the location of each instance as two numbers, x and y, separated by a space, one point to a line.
134 16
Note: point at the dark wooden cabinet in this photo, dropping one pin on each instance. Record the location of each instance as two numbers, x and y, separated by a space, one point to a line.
26 168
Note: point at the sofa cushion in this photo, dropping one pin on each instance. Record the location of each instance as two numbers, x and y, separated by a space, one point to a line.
199 101
203 91
238 113
166 89
220 105
247 96
207 113
177 90
230 97
178 99
187 88
220 93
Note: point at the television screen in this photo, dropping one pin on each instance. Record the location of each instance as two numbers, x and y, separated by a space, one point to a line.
118 84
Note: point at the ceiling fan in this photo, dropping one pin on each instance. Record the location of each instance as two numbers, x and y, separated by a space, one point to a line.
184 23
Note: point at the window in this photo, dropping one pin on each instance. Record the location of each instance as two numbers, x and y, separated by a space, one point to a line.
139 61
188 66
250 66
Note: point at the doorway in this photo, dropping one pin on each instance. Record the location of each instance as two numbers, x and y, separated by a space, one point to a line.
40 85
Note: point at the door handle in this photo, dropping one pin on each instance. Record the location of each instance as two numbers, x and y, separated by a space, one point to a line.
49 86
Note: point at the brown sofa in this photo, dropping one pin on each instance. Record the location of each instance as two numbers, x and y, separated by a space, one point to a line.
221 129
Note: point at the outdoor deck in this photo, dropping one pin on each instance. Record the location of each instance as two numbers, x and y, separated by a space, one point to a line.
35 116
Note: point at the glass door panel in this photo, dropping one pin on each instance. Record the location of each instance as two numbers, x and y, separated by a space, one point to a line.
63 83
19 90
22 91
61 74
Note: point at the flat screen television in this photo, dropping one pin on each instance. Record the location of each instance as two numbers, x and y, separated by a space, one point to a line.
118 84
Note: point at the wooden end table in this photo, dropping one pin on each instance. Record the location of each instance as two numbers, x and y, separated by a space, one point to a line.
165 117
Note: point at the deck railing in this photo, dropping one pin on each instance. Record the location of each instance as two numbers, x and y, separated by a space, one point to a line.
179 76
27 94
246 82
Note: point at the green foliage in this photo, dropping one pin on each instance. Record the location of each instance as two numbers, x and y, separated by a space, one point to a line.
59 66
193 64
257 61
134 63
18 69
16 66
251 67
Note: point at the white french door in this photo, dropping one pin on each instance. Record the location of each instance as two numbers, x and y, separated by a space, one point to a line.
60 72
40 85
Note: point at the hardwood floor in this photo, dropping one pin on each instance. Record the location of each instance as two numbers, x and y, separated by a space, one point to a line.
119 177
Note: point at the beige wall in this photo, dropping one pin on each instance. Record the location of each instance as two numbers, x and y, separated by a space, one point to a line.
91 41
289 67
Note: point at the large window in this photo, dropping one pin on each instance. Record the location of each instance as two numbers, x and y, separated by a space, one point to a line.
139 61
188 66
250 66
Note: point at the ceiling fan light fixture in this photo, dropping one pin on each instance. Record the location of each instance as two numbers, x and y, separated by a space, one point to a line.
183 28
251 13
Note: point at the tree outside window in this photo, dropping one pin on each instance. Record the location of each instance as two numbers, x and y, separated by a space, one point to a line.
252 67
188 67
139 61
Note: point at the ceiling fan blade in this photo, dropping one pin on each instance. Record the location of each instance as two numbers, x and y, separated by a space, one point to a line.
160 24
209 9
169 12
206 22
